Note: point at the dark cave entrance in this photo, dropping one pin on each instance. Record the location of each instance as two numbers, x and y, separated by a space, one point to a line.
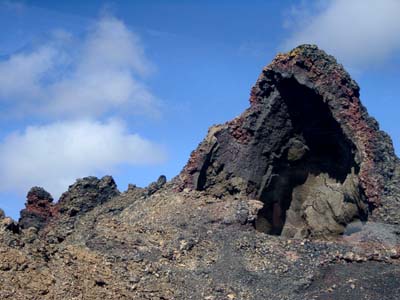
316 144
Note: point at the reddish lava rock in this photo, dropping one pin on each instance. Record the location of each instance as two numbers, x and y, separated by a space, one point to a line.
305 126
39 209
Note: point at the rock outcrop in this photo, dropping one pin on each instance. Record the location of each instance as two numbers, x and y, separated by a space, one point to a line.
306 147
156 185
39 209
81 197
87 193
305 162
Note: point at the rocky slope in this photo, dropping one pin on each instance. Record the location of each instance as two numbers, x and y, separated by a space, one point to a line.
297 198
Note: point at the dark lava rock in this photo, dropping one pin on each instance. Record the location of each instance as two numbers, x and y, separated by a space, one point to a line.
304 160
306 147
82 197
337 282
87 193
10 225
156 185
39 209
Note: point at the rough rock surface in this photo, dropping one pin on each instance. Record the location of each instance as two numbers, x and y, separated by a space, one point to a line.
83 196
86 194
39 209
195 237
305 121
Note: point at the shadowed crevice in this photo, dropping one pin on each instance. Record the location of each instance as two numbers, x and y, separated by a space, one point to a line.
315 145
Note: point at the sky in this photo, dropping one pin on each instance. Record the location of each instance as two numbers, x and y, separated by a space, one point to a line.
129 88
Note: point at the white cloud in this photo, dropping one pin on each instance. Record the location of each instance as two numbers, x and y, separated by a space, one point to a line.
20 74
77 81
55 155
69 77
357 32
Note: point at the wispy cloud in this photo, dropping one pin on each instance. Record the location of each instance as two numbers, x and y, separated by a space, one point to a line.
70 77
357 32
80 82
55 155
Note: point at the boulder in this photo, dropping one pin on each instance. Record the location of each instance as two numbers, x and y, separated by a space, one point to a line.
39 209
87 193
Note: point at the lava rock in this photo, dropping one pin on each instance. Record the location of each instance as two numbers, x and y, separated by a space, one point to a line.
10 225
156 185
39 209
267 169
305 119
86 194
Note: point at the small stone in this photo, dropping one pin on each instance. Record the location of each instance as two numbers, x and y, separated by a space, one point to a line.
350 256
161 180
132 187
100 282
394 254
155 186
10 225
134 279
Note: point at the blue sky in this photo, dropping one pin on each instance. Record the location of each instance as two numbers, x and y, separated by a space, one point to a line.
129 88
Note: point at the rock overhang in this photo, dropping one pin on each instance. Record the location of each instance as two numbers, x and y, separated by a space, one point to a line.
242 156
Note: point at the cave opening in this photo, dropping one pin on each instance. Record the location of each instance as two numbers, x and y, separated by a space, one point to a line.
315 145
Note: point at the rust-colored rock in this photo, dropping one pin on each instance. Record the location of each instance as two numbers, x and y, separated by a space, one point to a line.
39 209
305 119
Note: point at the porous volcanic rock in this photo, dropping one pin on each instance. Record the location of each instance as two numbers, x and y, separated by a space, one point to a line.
39 209
83 196
87 193
295 199
156 185
306 137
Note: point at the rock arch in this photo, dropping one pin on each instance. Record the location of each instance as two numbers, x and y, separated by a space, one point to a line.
305 147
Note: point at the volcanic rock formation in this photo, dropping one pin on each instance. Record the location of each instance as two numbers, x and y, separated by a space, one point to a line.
306 148
39 209
297 198
87 193
84 195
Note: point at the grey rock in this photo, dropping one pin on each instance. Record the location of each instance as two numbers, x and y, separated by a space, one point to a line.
87 193
156 185
305 121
